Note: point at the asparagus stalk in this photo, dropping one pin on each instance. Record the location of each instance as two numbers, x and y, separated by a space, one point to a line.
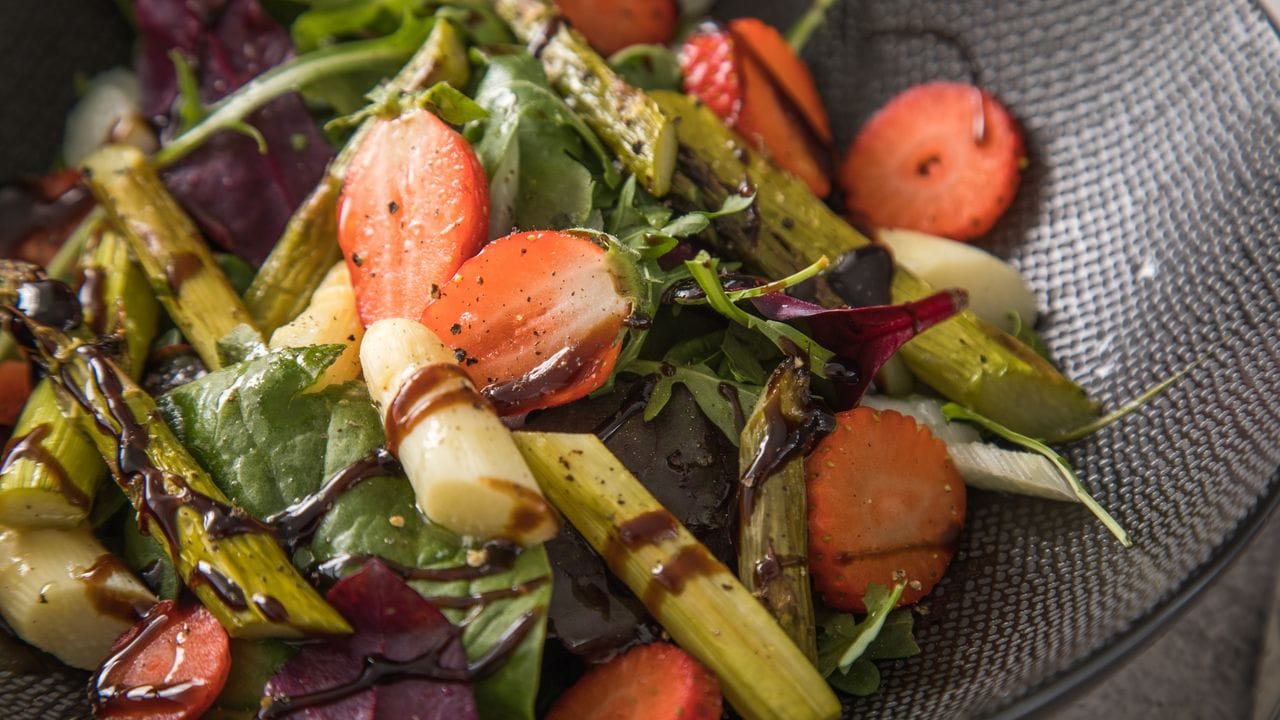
53 474
466 472
181 269
965 359
61 591
773 534
696 598
309 245
231 562
625 118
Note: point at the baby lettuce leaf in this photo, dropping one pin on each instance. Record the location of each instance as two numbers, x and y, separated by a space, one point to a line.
541 159
240 197
393 622
268 443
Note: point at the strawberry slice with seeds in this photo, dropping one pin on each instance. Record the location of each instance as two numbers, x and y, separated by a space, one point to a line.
414 206
536 318
942 158
788 70
709 62
651 682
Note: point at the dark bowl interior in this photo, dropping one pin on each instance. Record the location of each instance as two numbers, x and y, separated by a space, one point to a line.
1148 224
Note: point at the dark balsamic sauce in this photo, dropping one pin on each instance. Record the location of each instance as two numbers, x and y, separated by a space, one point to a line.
768 569
565 368
793 425
634 403
638 321
92 298
648 528
543 35
224 587
109 698
689 291
50 302
298 522
412 404
180 269
29 447
730 393
379 670
106 600
271 608
693 561
499 557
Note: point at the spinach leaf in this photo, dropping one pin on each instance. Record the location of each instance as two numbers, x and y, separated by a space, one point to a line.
268 443
542 160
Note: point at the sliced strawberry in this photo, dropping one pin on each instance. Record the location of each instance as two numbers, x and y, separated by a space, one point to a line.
650 682
709 62
942 158
886 506
15 387
769 120
171 665
536 319
610 25
787 69
414 205
738 87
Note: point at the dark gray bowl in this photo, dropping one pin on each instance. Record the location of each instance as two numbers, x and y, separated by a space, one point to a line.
1149 224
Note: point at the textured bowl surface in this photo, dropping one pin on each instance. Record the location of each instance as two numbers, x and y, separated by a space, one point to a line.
1149 225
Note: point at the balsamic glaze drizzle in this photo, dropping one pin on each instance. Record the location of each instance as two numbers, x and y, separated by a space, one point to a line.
30 447
298 522
499 556
793 425
634 403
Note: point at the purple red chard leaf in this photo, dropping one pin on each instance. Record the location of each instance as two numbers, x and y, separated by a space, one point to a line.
391 621
240 198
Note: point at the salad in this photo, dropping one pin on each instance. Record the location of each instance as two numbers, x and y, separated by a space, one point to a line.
457 359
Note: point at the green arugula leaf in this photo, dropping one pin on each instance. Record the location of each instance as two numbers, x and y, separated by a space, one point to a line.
743 351
268 443
707 389
896 639
952 411
703 269
843 640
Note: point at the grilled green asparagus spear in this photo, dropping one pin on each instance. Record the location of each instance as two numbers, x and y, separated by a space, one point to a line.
694 596
231 562
181 269
966 359
626 119
309 246
773 533
52 479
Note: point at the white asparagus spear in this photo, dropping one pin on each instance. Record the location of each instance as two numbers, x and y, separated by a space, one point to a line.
464 466
330 318
61 591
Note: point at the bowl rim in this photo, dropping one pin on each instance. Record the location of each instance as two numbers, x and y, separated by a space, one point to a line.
1072 681
1078 677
